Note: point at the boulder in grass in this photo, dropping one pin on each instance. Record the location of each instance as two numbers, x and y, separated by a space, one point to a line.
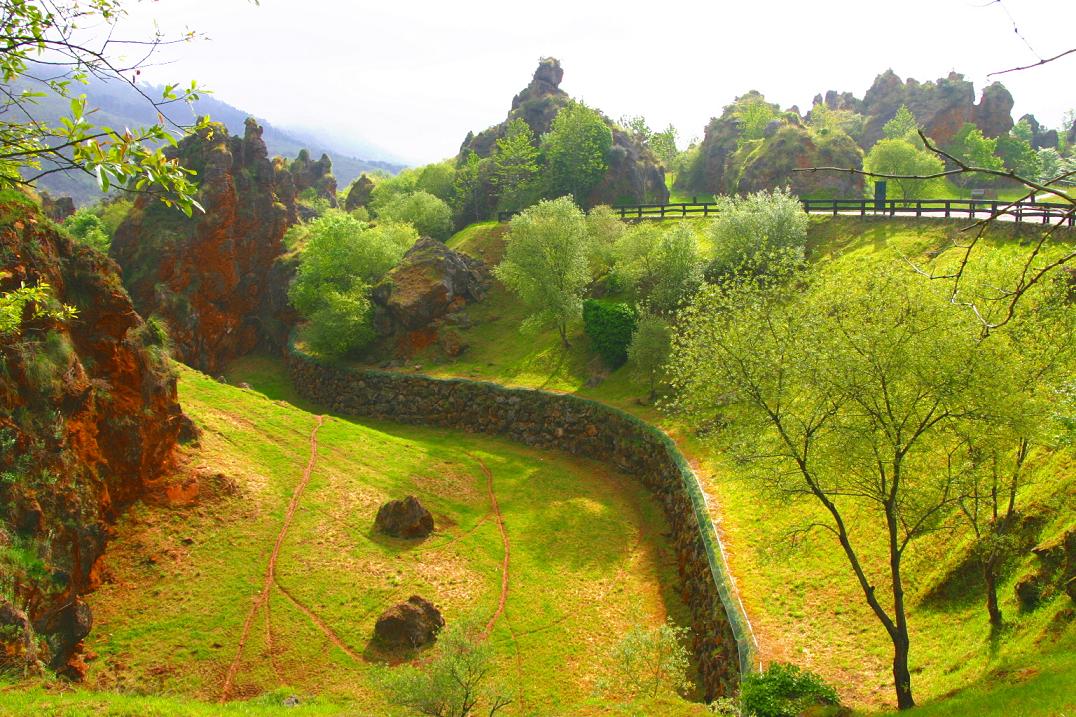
405 518
409 625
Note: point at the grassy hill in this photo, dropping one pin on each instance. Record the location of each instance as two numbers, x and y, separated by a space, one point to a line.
178 614
802 598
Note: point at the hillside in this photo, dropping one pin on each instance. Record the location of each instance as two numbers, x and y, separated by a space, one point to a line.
120 106
803 604
588 561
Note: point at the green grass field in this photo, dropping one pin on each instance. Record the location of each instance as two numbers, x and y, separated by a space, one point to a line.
803 601
178 609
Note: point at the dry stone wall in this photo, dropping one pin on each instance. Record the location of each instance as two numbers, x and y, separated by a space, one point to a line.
723 645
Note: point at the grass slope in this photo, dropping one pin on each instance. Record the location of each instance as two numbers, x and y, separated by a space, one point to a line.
588 560
803 601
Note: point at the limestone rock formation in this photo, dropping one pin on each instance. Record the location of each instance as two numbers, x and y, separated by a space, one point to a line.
57 209
1041 138
406 518
408 625
634 173
429 282
787 148
88 419
359 193
209 276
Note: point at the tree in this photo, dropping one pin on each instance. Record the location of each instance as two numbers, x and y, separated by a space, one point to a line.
647 662
48 52
341 259
1017 153
545 263
515 166
757 233
468 186
902 157
649 349
973 148
429 215
439 180
576 150
903 126
660 266
453 683
663 144
845 395
604 228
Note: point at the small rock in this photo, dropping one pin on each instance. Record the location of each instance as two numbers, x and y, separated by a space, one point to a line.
409 624
406 518
291 701
245 385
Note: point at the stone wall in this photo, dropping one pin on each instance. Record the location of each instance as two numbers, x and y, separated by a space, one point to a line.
723 644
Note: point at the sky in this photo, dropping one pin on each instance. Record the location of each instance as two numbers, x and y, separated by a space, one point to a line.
412 78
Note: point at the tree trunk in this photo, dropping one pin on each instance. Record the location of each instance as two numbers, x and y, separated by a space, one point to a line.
564 335
902 678
991 579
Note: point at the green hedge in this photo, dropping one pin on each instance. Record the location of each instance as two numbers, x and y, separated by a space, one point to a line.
609 324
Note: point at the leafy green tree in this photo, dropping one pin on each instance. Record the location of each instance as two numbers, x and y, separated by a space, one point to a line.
847 395
387 189
428 214
576 151
649 661
973 148
453 683
1018 154
129 158
468 188
88 228
660 266
339 261
439 180
545 263
515 166
903 126
604 228
757 233
754 113
649 350
902 157
609 326
1050 163
663 144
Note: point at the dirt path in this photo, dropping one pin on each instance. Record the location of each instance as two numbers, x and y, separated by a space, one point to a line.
325 629
270 570
507 548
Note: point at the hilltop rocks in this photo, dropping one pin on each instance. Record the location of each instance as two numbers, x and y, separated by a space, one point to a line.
941 107
89 418
208 276
307 174
406 518
1041 138
788 148
408 625
359 194
633 174
429 281
57 209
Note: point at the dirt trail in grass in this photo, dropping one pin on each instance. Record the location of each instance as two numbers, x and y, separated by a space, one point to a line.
270 569
507 548
319 623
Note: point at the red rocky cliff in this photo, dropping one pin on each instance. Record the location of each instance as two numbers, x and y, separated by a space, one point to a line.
88 417
209 277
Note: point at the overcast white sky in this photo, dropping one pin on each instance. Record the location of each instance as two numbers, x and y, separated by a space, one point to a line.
414 77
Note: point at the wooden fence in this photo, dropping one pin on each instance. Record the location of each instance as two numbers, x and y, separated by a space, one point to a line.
1043 212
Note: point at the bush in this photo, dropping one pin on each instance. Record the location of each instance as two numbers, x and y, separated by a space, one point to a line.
660 266
784 690
428 214
87 227
609 325
649 350
649 662
757 233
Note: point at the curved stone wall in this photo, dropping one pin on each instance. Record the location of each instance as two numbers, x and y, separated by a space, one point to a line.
723 644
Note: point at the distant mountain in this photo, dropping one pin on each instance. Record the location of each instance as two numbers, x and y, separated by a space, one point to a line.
118 105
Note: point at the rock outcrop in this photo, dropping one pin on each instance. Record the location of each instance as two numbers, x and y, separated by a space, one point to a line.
88 419
788 148
208 276
941 107
359 194
634 174
308 174
408 625
406 518
57 209
1041 138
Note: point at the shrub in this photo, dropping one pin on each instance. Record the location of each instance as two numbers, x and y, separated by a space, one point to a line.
88 228
658 265
784 690
428 214
648 662
757 233
609 325
605 229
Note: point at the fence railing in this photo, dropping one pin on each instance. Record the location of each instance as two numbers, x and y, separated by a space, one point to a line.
1043 212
